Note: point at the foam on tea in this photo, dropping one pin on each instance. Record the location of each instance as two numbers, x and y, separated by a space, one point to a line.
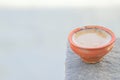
91 38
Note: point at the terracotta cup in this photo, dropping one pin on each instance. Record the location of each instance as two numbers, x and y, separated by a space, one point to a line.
91 55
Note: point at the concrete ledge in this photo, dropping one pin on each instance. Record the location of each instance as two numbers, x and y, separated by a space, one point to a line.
107 69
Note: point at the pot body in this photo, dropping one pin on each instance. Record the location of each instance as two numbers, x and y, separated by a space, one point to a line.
91 55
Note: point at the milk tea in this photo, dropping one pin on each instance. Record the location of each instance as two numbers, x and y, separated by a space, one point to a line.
91 38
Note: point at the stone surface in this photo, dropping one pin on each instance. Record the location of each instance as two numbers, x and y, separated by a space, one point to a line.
107 69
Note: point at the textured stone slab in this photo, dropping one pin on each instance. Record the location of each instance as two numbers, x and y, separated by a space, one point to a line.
107 69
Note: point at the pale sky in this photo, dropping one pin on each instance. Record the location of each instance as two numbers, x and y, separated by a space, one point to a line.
58 3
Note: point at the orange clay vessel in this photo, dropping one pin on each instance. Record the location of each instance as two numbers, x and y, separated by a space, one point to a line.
90 54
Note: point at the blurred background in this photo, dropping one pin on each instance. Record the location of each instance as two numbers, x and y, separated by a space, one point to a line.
33 34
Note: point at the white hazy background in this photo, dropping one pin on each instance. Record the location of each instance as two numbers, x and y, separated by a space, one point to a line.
58 3
33 34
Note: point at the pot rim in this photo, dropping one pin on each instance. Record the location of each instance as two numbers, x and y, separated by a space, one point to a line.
113 38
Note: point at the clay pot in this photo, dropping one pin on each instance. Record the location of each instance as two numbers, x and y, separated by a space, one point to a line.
91 55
